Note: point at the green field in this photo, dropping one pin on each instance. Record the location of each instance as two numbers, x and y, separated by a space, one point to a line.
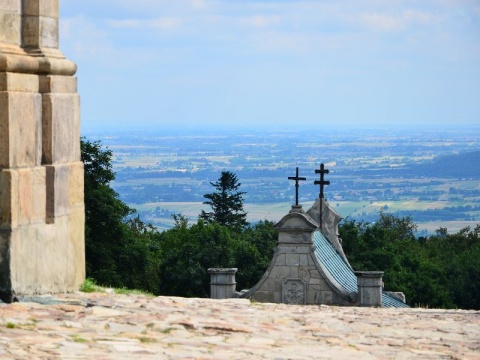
275 211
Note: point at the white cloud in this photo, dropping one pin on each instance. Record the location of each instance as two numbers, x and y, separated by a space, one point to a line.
164 23
260 21
420 17
126 23
73 28
381 22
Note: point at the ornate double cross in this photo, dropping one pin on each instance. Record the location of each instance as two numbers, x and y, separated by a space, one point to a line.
321 182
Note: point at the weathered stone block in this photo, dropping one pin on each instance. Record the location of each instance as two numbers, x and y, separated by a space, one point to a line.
22 197
294 238
280 260
40 32
10 27
284 249
65 189
303 272
20 129
268 285
58 84
19 82
326 297
58 191
52 262
303 249
76 249
24 257
8 199
40 7
11 6
311 293
304 259
292 259
76 184
280 272
314 274
40 258
31 31
31 195
61 128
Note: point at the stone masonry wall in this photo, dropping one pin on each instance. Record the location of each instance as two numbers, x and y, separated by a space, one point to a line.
41 175
293 276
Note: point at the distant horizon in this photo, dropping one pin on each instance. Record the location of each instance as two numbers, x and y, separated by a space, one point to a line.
141 128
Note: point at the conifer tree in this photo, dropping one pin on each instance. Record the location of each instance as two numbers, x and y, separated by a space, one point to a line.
226 202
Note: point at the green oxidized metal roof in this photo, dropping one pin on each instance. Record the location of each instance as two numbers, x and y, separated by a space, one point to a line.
342 273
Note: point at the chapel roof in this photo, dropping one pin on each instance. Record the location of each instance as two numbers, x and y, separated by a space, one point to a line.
341 272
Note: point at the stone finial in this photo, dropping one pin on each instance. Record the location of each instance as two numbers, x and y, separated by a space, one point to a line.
222 283
369 287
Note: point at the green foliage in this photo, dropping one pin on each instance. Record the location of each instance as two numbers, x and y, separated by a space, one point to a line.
253 258
118 251
226 202
442 271
124 252
188 252
89 286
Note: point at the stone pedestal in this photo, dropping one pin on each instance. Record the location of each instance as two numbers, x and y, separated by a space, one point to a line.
222 283
369 287
41 175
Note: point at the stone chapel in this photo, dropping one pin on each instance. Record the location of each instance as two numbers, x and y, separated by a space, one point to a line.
309 265
41 174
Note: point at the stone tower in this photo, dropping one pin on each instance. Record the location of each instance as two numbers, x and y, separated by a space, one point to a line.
41 175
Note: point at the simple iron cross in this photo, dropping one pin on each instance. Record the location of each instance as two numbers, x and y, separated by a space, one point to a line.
322 182
297 179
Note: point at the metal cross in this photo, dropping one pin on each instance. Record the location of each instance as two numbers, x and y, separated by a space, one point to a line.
321 182
297 179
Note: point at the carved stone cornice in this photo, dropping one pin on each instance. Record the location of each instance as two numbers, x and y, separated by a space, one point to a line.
45 61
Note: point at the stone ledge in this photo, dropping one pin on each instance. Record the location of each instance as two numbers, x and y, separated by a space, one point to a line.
44 65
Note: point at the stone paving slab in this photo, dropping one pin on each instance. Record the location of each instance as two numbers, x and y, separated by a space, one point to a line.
107 326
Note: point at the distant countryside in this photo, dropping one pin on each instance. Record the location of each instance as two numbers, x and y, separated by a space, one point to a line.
432 176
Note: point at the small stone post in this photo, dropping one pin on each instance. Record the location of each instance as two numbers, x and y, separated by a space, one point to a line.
369 287
222 283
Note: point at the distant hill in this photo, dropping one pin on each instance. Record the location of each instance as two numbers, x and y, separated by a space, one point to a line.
463 165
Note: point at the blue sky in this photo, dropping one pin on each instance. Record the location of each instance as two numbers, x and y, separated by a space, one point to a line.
315 63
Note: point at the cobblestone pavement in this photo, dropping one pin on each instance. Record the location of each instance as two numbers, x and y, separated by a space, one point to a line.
105 326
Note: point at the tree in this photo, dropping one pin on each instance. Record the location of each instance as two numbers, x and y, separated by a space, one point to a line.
226 202
390 245
186 254
118 249
188 251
